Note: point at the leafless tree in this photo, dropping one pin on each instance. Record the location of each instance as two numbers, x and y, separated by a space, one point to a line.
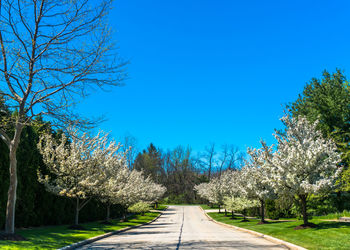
229 158
53 53
234 157
209 156
130 144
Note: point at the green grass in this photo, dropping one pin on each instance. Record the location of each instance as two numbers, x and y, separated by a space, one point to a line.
54 237
161 207
205 206
328 234
334 216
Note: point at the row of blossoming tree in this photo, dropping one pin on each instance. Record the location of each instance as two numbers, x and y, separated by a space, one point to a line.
84 167
302 163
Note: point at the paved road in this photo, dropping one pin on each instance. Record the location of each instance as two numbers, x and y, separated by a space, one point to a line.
183 227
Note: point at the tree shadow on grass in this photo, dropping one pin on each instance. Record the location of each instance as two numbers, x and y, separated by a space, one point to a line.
331 224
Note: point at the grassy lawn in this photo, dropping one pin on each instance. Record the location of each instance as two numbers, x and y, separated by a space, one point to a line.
161 207
58 236
328 234
205 206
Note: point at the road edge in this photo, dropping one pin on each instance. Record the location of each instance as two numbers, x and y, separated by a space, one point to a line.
267 237
102 236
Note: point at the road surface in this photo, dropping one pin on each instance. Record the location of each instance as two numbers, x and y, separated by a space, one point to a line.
183 227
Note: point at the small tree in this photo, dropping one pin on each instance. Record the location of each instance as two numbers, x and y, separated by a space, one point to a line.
140 207
240 204
257 177
305 162
115 172
212 191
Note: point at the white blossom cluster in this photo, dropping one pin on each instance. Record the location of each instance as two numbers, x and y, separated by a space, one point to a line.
304 162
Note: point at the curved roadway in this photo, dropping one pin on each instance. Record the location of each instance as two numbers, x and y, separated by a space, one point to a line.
183 227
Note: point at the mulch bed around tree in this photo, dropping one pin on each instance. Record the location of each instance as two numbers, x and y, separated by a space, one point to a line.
263 222
245 220
13 237
305 226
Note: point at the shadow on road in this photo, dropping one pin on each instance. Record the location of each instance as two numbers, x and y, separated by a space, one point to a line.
185 245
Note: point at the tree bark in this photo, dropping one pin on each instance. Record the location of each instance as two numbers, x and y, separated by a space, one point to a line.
108 212
262 208
219 209
304 208
232 214
76 222
225 212
12 192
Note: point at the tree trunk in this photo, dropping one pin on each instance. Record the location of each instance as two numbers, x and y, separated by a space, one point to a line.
262 210
108 212
156 205
219 209
12 192
76 222
304 208
232 214
125 214
225 212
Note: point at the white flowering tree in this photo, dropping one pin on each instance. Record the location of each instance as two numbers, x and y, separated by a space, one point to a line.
257 177
212 191
239 204
140 207
137 188
74 165
228 184
305 162
114 176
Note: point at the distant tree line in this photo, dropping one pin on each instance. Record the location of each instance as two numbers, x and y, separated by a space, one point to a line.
179 170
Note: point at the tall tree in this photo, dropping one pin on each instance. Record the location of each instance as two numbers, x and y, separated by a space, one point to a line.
150 162
52 53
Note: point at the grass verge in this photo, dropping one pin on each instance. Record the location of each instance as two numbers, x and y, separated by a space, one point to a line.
327 235
205 206
161 207
54 237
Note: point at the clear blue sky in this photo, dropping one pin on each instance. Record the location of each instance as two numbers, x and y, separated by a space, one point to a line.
217 71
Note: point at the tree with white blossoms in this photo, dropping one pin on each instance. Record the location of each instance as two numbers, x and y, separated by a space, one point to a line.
140 207
257 177
137 188
212 191
239 204
203 190
305 162
114 176
156 193
75 165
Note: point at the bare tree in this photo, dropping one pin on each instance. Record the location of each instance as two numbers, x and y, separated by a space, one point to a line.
130 146
53 53
234 157
209 156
